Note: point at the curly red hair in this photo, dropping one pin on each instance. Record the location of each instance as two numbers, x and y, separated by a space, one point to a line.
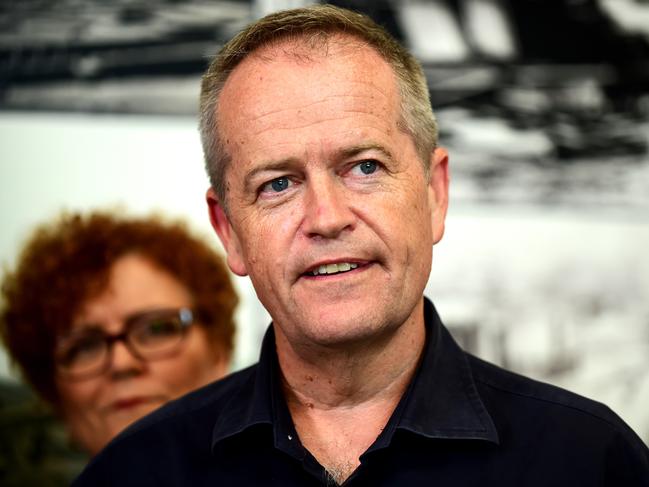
68 262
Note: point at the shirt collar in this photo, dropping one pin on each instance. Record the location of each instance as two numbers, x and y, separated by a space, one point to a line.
441 402
259 401
250 405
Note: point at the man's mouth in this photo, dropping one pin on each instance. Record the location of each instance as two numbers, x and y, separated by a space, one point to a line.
333 268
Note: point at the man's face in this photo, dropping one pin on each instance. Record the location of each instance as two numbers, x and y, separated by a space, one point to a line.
330 211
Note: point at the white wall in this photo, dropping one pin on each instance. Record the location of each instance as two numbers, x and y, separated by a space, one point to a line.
53 161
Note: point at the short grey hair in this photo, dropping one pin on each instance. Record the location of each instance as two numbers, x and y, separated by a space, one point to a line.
321 22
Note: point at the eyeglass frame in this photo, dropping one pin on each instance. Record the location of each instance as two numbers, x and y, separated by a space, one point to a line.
187 319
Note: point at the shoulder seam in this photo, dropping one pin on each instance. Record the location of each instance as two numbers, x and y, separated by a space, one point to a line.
555 402
606 415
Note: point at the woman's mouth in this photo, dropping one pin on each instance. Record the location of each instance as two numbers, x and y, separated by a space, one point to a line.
131 402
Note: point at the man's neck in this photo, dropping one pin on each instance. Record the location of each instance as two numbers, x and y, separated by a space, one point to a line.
341 398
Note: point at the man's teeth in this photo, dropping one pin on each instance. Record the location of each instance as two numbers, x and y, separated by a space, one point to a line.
333 268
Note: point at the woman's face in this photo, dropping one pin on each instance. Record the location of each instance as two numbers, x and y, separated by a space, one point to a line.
96 409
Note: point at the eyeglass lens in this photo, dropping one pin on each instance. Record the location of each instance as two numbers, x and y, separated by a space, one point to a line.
149 336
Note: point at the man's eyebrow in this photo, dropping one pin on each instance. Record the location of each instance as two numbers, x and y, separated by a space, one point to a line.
360 148
281 165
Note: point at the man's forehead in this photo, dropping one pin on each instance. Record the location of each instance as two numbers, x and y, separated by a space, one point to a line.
306 52
278 91
289 69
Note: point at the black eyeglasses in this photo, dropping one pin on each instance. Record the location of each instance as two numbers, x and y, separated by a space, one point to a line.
149 335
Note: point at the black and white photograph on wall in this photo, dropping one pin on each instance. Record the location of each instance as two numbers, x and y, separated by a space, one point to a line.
543 106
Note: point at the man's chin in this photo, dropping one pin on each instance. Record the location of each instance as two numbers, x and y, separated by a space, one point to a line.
342 329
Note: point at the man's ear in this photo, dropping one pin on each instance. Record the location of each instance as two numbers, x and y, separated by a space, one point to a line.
438 186
223 228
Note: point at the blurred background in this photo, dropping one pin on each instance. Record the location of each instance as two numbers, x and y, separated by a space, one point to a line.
543 105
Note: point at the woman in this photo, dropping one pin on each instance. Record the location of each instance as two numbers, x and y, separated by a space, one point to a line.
110 317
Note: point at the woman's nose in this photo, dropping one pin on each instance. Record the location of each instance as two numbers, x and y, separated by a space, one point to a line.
124 362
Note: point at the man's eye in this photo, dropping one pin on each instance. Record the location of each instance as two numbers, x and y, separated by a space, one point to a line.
366 167
277 185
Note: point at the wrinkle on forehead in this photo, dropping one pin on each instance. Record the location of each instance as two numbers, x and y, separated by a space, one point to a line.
267 121
312 104
304 110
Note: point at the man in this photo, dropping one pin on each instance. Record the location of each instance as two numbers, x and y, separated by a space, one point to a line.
329 191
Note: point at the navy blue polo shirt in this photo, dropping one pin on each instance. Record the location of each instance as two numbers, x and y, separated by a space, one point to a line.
461 422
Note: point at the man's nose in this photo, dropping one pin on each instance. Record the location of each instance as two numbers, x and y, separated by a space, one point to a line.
124 362
327 210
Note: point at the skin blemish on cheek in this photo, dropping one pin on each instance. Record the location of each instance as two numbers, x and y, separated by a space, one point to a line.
287 224
309 378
